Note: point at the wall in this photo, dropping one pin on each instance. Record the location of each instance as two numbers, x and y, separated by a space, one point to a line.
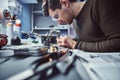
44 22
39 20
26 17
3 5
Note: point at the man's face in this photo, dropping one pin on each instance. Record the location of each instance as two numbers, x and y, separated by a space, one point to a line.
63 16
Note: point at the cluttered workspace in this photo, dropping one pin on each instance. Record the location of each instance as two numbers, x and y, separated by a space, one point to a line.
29 49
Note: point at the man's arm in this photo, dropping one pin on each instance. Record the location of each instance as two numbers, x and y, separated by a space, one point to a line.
108 13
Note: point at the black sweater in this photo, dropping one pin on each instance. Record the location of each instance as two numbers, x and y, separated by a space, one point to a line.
99 26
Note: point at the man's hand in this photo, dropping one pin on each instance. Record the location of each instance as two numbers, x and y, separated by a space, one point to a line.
66 42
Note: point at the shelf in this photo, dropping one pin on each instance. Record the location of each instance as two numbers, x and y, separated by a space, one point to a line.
45 30
29 1
38 12
49 28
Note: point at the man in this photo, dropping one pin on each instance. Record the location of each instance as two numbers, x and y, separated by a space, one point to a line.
98 23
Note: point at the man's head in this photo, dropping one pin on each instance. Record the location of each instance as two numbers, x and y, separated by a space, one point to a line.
59 10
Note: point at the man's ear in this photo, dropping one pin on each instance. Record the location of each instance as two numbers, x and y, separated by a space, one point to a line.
65 3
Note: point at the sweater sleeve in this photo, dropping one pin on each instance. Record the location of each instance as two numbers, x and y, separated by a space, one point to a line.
112 45
108 12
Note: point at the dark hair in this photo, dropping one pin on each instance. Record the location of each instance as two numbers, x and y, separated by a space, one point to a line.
52 4
55 4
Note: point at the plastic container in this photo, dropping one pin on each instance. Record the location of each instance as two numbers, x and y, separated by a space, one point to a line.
17 27
9 32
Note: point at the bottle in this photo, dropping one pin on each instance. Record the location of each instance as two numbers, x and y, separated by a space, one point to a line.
9 32
17 27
